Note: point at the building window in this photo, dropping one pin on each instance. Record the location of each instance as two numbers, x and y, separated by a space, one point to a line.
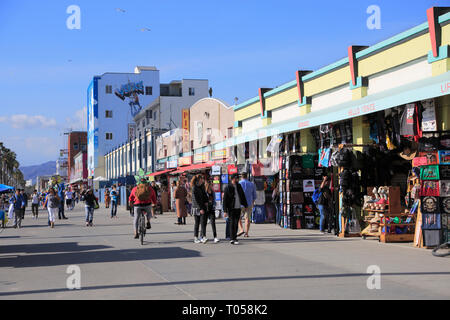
108 114
192 91
109 136
148 91
149 114
108 89
83 147
75 146
230 132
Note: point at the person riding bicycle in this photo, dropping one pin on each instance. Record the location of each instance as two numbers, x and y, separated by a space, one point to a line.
143 198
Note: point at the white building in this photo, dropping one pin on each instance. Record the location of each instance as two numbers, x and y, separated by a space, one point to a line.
165 112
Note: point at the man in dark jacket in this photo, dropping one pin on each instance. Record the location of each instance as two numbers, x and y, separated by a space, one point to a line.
233 200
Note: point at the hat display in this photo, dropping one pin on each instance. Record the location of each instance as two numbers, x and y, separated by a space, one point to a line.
409 151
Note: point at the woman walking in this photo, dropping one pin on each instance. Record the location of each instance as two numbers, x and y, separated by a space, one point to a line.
107 198
90 203
199 207
52 202
211 212
180 195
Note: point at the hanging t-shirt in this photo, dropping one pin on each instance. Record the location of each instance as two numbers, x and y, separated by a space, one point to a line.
407 121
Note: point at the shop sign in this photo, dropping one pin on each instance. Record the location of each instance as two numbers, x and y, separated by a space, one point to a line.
171 164
186 130
232 169
201 157
218 196
216 171
224 178
160 166
308 186
184 161
219 154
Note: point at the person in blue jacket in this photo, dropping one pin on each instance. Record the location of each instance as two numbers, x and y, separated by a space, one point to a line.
61 196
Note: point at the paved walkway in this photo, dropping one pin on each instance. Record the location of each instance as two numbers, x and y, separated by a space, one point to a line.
273 263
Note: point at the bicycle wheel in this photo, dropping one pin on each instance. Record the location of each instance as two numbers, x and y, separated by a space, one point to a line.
442 251
142 228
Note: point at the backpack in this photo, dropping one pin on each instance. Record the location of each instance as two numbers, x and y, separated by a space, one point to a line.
316 196
143 192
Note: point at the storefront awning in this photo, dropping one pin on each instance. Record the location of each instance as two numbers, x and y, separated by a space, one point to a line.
195 167
154 174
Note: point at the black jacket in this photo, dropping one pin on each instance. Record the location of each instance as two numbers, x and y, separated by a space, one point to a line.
199 198
229 197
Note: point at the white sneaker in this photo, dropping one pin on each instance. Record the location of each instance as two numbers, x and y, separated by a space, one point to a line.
236 242
196 240
216 240
204 240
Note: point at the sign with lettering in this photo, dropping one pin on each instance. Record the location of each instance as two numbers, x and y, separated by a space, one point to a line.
184 161
186 129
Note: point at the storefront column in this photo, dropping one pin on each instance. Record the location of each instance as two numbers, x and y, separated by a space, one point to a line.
307 143
443 112
361 132
359 90
305 106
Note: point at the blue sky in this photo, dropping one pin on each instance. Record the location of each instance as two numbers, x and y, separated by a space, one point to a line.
239 46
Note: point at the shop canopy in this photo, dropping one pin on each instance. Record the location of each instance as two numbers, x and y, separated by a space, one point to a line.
154 174
196 167
5 188
420 90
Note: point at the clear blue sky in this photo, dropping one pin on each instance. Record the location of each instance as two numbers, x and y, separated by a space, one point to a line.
239 45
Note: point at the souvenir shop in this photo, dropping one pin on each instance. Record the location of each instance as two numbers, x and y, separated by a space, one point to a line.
388 174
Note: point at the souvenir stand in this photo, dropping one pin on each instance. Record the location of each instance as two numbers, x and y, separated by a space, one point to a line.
263 177
432 171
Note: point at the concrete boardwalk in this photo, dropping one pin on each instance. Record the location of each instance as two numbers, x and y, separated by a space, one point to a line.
273 263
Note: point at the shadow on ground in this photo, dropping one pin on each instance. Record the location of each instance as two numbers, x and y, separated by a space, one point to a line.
76 258
49 248
226 280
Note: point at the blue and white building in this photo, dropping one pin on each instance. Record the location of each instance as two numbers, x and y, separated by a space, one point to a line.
113 99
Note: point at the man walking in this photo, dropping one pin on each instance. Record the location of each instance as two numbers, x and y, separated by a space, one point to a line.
61 201
233 200
324 204
18 206
250 195
114 195
35 204
25 199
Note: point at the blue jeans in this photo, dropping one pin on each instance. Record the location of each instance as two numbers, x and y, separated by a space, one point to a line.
89 214
323 216
278 217
113 208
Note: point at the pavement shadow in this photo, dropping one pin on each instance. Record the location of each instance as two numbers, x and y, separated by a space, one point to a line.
77 258
49 248
219 281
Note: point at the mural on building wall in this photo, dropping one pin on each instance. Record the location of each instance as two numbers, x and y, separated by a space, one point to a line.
131 92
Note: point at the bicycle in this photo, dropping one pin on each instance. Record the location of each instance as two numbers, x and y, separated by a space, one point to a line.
142 226
437 252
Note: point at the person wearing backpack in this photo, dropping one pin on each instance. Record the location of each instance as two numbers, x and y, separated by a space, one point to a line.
52 203
323 203
143 198
91 203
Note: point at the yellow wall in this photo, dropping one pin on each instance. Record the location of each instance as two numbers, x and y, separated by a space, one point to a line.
282 98
328 81
395 56
248 112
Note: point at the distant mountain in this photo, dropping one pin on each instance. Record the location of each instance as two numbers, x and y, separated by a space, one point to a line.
45 169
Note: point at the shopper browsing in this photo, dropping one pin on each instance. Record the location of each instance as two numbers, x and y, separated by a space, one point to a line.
199 207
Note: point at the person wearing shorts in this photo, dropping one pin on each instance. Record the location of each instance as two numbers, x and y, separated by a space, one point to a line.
250 195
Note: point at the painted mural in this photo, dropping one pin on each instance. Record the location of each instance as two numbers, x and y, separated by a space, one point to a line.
130 92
